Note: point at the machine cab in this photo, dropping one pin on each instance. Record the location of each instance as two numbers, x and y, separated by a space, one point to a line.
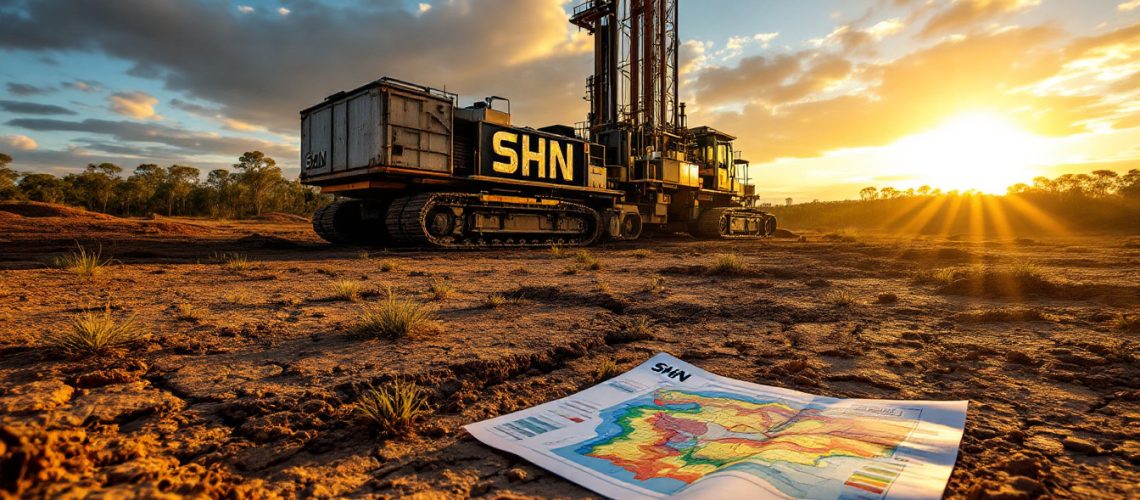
714 153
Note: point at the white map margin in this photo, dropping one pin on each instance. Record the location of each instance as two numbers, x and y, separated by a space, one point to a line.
945 434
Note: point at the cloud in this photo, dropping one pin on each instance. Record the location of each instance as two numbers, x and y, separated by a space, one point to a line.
283 11
176 140
18 143
244 9
735 45
137 104
263 70
83 86
782 113
886 28
1128 6
240 126
770 80
424 8
23 89
31 108
964 14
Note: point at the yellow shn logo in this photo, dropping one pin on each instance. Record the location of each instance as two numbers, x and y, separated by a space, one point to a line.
506 145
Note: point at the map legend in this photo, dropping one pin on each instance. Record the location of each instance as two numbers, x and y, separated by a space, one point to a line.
875 478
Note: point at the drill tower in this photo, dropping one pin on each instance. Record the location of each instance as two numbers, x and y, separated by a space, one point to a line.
634 104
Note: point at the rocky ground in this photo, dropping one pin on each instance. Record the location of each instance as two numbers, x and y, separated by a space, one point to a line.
246 383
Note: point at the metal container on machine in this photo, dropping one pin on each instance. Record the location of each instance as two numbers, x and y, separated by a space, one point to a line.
383 124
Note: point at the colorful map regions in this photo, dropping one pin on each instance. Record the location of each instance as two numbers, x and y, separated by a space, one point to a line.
668 439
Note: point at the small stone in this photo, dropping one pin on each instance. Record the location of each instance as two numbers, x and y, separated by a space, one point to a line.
1048 446
1021 465
1080 445
1020 358
516 474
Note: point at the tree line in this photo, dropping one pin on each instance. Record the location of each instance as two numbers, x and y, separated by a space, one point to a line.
254 186
1102 200
1098 184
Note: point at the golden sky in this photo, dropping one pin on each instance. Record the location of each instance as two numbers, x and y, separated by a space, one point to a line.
968 94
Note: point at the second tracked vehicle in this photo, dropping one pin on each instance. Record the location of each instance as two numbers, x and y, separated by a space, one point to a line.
411 167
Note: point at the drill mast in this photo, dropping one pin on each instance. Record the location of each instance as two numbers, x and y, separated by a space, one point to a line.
634 103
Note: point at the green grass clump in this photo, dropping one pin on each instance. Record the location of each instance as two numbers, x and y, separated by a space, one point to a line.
394 407
840 298
350 290
83 262
94 332
606 369
393 318
727 265
441 289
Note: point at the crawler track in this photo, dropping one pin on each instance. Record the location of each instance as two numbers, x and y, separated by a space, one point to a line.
734 223
463 220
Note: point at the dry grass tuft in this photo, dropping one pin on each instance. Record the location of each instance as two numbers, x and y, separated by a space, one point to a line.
1128 323
636 328
1020 279
187 312
234 261
238 299
557 251
83 262
495 301
350 290
643 253
388 265
441 289
393 318
939 277
840 298
94 332
656 284
727 265
606 369
364 255
587 260
394 407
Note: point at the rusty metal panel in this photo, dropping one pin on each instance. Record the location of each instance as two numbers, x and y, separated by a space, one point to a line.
419 128
339 154
361 124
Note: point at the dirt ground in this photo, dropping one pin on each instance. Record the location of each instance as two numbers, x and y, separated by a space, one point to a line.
254 397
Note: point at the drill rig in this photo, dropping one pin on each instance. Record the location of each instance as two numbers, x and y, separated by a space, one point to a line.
411 167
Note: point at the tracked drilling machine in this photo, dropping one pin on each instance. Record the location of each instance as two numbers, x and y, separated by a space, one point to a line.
411 167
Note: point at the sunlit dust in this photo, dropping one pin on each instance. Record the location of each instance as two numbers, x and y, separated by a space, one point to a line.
978 150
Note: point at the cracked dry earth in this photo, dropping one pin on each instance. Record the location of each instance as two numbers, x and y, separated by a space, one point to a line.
254 398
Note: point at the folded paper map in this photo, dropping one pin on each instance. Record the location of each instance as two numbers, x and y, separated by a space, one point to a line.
670 429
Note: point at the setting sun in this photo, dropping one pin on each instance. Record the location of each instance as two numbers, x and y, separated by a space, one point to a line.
977 150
